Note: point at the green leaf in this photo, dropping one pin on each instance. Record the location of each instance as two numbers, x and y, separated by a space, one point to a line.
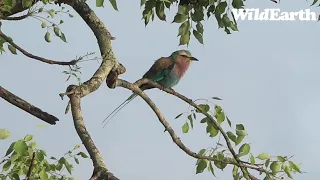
199 27
244 149
6 166
241 133
314 2
221 7
28 137
51 12
233 26
99 3
202 151
237 4
220 117
252 160
287 171
43 24
43 175
12 49
220 165
4 133
212 130
160 10
281 159
203 107
294 166
183 9
201 166
39 156
267 163
275 166
142 2
239 127
114 4
204 120
191 120
185 127
47 37
26 3
76 147
82 154
197 16
231 136
76 160
63 37
198 36
68 167
211 168
10 149
184 39
56 31
179 18
263 156
184 28
20 147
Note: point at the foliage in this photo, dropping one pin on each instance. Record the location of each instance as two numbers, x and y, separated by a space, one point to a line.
277 167
23 155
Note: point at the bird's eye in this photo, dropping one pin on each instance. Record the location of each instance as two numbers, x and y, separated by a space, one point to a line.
184 56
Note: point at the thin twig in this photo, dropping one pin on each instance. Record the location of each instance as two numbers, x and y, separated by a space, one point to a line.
31 166
17 18
26 53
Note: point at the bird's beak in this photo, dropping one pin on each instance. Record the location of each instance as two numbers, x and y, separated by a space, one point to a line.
194 59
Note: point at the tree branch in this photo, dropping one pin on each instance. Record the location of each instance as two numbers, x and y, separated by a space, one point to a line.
235 160
24 105
75 93
9 40
100 169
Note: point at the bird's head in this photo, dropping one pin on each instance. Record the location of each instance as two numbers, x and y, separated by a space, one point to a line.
185 54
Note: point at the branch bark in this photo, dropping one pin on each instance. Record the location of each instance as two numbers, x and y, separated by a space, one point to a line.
75 93
234 161
24 105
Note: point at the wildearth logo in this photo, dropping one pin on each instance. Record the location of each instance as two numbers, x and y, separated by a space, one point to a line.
273 15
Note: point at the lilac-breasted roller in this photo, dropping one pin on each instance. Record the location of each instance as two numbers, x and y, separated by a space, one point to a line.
167 71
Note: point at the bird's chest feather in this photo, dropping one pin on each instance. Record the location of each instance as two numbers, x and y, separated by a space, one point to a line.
173 77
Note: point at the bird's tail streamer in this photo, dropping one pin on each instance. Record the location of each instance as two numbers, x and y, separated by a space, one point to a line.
115 111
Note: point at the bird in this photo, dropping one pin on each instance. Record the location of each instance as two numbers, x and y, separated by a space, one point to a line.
166 71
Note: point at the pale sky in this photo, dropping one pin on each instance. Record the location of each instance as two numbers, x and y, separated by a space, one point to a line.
267 75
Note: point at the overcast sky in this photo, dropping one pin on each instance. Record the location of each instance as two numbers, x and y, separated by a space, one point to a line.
267 75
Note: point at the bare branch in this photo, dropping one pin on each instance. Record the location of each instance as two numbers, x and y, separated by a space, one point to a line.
26 53
24 105
235 160
100 168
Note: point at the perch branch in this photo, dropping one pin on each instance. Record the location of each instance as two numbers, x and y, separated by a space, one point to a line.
26 53
24 105
135 88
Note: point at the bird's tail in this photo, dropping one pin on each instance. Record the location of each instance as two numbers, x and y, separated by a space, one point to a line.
114 112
